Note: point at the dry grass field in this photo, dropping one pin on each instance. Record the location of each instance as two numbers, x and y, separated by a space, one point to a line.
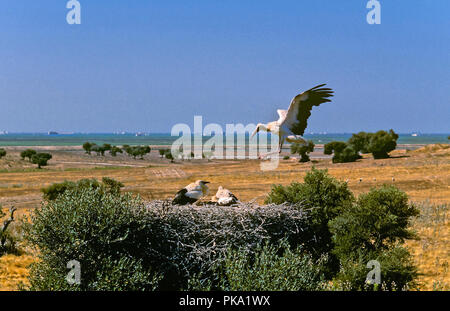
424 174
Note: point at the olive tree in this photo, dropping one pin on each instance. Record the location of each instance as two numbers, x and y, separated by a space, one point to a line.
87 146
115 150
41 159
29 153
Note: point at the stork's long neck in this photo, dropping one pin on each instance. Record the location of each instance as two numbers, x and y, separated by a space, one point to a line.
261 127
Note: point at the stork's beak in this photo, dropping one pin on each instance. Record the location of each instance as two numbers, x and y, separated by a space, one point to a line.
206 182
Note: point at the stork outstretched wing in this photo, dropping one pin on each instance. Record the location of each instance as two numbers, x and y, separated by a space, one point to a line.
301 105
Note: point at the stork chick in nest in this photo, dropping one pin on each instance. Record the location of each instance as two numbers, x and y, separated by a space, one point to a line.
224 197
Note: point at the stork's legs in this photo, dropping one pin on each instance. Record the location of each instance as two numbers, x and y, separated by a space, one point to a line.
280 147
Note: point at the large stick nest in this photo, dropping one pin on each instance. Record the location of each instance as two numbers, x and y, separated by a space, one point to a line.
190 237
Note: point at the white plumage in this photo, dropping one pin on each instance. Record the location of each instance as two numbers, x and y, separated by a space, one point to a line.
191 193
224 197
292 123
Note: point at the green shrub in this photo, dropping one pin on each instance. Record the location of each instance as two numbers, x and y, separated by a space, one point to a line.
326 196
342 152
269 268
108 185
397 268
303 150
111 185
334 146
379 220
381 143
2 152
360 142
373 228
104 232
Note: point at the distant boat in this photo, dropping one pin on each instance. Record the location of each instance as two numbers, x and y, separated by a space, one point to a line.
139 134
414 134
52 133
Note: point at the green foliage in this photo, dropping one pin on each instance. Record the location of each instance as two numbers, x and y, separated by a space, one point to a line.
286 157
136 151
373 228
28 153
162 152
41 159
347 155
115 150
87 146
334 146
342 152
398 271
108 185
104 232
111 185
2 152
269 268
303 150
360 142
378 220
100 150
168 155
381 143
326 196
96 148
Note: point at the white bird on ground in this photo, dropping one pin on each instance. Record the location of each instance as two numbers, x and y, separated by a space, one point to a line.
292 123
191 193
224 197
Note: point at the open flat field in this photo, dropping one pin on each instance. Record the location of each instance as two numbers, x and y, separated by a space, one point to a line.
424 174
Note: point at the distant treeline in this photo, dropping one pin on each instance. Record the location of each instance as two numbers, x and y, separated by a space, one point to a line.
379 144
133 151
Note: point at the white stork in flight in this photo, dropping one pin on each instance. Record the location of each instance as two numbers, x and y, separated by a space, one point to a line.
292 122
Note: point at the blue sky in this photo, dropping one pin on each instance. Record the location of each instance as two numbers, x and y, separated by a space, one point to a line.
136 65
